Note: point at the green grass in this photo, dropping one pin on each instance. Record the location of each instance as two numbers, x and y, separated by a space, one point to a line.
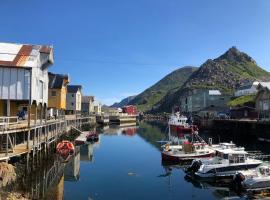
240 101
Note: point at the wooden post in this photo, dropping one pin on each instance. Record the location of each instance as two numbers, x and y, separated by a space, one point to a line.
29 124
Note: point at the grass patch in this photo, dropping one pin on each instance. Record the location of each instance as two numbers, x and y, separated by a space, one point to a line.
240 101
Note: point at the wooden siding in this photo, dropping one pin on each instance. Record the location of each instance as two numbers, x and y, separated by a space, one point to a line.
58 101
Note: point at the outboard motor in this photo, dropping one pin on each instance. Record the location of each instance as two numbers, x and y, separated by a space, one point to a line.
194 167
238 178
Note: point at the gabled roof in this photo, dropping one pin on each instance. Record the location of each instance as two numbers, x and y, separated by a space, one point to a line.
56 81
73 88
87 99
264 85
25 55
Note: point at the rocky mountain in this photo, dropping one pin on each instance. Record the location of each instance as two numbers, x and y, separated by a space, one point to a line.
124 102
170 83
226 73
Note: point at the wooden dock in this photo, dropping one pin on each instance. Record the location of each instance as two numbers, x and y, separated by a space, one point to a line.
21 138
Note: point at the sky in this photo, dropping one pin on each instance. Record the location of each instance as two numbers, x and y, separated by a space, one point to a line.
118 48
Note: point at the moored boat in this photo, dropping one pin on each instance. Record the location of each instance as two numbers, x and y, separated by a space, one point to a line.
65 149
179 124
224 165
257 179
92 136
189 150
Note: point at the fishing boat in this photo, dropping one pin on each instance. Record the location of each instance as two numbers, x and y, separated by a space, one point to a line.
189 150
224 165
65 149
257 179
179 124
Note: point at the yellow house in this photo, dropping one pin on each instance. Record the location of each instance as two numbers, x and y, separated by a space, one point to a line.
57 91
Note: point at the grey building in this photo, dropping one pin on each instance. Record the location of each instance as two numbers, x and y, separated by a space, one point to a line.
88 105
199 99
74 99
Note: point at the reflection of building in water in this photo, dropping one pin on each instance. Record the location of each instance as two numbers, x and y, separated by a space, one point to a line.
72 169
87 152
122 129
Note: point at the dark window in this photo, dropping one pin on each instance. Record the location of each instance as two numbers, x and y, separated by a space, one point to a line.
53 94
72 95
72 104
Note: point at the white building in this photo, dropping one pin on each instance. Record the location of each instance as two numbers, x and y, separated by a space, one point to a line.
247 89
74 99
97 107
23 76
88 104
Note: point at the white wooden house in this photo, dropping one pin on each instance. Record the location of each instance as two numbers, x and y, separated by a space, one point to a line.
23 76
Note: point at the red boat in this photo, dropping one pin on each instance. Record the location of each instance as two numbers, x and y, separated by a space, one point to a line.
178 124
65 149
92 137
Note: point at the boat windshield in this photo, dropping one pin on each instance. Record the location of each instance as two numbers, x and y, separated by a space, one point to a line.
236 158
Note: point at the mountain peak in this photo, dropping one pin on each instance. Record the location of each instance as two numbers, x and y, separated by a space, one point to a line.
234 55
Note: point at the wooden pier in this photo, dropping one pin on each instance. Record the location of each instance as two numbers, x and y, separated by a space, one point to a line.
17 138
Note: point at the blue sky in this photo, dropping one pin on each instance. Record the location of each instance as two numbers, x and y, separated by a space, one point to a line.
117 48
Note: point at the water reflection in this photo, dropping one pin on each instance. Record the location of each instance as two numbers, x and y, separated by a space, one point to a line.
124 164
72 168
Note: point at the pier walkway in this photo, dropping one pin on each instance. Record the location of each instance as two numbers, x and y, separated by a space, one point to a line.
19 138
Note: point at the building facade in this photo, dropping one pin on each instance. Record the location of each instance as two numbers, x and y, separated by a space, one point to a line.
248 89
57 93
88 105
262 101
24 77
199 99
97 108
74 99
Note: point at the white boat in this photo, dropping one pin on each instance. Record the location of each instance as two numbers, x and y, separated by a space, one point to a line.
224 165
189 150
256 179
225 145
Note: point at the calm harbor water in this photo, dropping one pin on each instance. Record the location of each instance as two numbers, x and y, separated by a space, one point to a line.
125 164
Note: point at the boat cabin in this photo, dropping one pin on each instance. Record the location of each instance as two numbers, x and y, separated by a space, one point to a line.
233 156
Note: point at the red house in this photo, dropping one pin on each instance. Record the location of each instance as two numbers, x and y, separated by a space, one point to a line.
130 110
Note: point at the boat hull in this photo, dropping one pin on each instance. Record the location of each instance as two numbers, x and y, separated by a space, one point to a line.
225 172
176 158
180 129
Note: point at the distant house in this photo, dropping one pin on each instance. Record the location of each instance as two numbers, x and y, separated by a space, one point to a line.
24 77
248 89
97 108
88 105
130 109
199 99
57 93
74 99
262 100
243 112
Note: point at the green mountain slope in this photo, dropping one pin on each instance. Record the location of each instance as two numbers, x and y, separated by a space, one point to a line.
226 73
172 82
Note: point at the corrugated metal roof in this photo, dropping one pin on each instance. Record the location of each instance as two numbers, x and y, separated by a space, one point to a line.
23 55
214 92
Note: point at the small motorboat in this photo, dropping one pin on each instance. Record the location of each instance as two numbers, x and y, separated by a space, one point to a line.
224 165
65 149
92 136
257 179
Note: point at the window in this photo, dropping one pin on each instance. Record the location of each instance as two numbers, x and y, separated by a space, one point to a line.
40 88
72 95
53 94
72 104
